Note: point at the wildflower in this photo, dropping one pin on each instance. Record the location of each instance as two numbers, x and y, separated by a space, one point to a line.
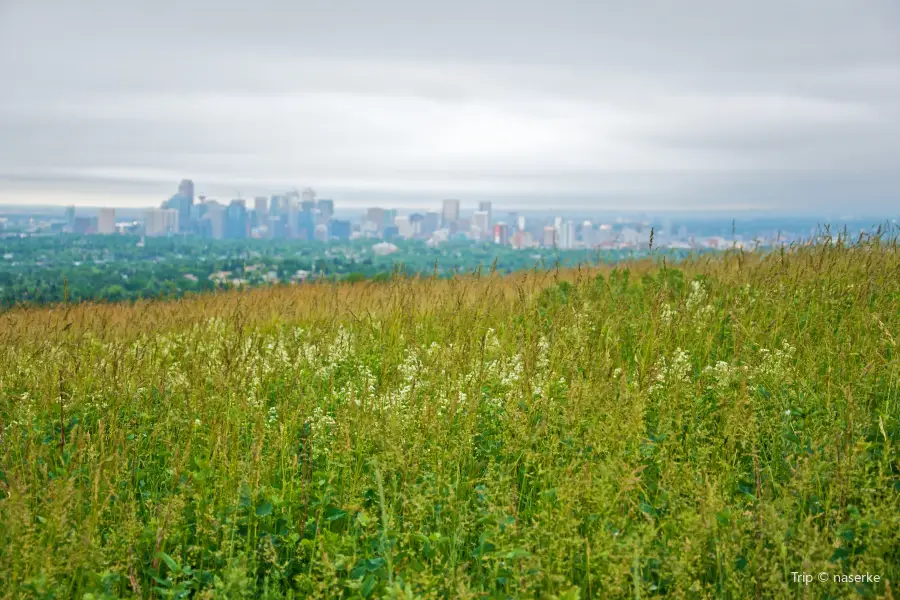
667 313
321 435
697 296
671 372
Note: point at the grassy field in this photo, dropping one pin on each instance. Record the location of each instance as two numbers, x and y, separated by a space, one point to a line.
711 429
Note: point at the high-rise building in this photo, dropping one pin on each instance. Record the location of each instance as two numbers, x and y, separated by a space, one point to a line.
520 223
106 221
450 213
340 230
186 188
404 226
160 221
326 208
212 222
567 235
485 206
481 223
236 220
321 233
275 205
84 225
501 234
430 222
182 201
70 216
549 236
260 206
589 235
376 219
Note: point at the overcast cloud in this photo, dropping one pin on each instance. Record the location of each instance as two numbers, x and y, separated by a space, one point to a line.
601 104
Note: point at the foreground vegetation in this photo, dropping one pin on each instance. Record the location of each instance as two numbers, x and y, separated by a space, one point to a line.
699 430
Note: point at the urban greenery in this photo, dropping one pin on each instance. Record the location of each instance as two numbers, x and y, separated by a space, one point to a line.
48 269
705 429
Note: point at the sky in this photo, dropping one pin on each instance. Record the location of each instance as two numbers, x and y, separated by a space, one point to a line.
601 104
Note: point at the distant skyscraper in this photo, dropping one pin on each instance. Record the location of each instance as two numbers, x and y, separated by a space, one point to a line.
275 205
486 207
415 221
520 223
588 235
501 234
183 201
404 227
260 205
326 208
186 188
430 222
340 229
376 219
567 235
321 233
450 213
160 221
106 221
213 220
481 223
549 236
236 220
84 225
70 216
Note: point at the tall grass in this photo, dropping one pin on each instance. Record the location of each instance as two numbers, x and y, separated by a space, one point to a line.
697 430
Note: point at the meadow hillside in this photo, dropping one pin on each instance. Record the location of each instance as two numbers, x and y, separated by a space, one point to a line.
699 430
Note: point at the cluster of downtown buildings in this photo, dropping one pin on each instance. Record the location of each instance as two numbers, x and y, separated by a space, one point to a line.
302 216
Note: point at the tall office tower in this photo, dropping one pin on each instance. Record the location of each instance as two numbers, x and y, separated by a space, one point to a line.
481 223
567 235
404 226
376 219
326 208
520 223
486 207
549 236
588 235
501 233
70 216
260 206
106 221
275 205
450 213
84 225
186 188
160 221
340 229
236 220
308 201
431 221
213 220
415 221
291 200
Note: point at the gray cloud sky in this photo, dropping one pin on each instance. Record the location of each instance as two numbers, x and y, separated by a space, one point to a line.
600 104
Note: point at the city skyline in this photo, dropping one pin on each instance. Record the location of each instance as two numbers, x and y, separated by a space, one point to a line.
704 105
